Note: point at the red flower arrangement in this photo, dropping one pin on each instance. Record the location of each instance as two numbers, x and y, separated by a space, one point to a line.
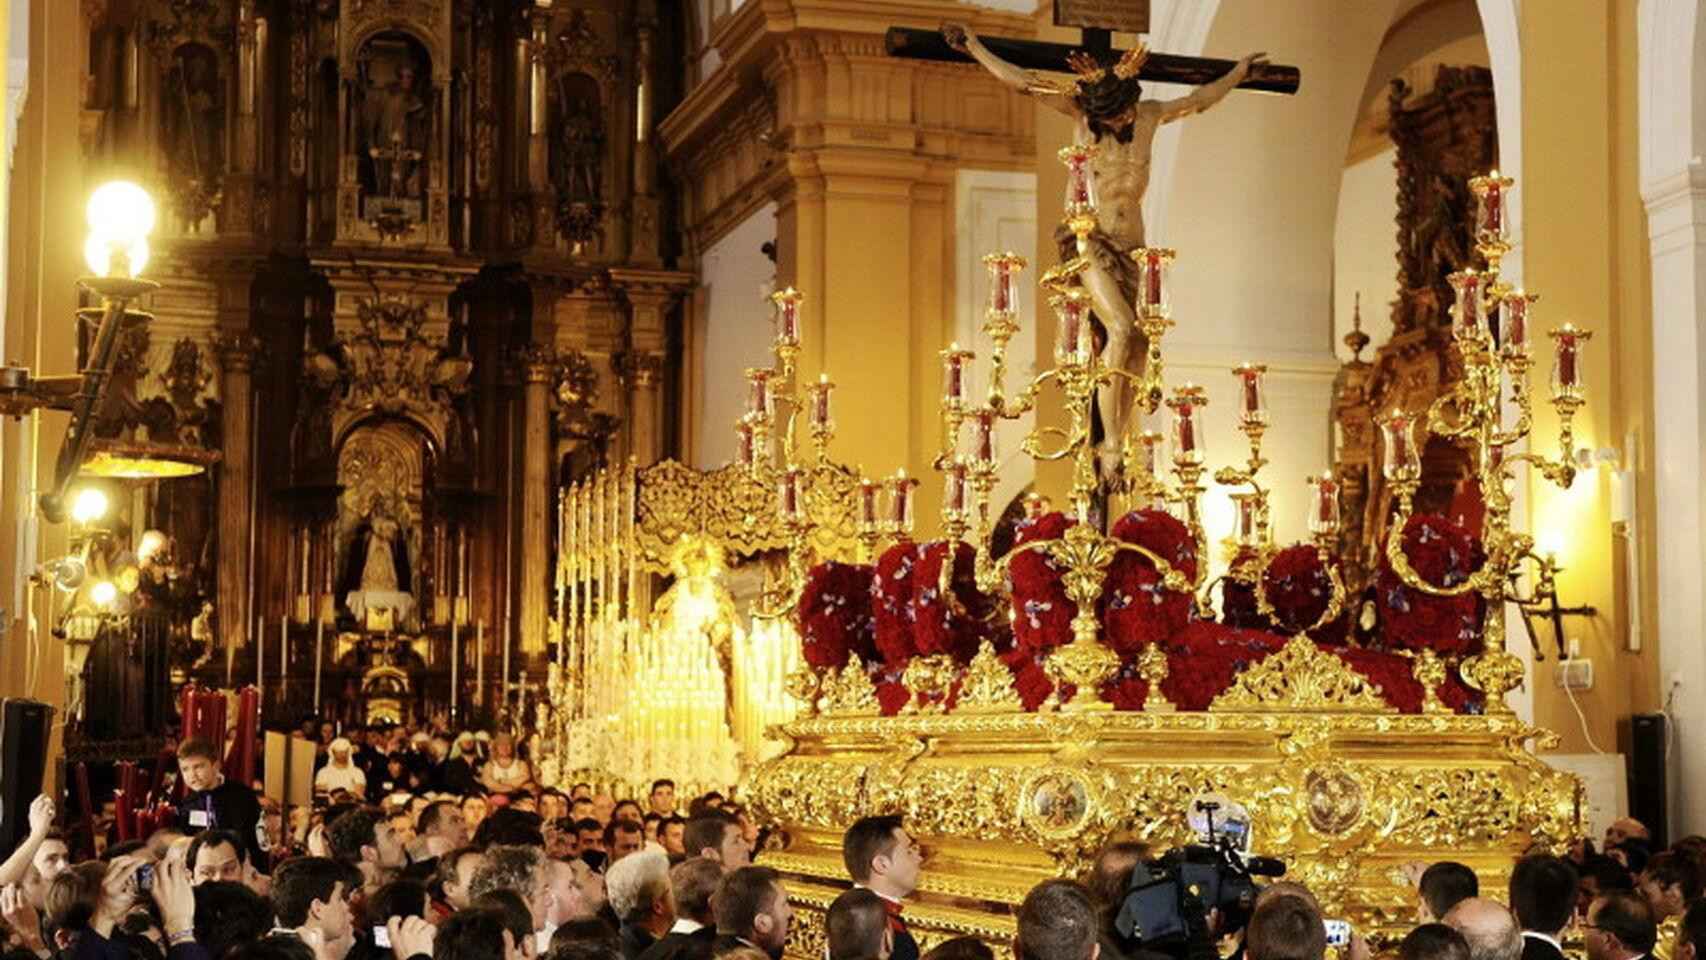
1445 555
941 624
1127 690
1030 680
891 603
1042 614
892 695
1206 657
1140 611
1392 673
835 615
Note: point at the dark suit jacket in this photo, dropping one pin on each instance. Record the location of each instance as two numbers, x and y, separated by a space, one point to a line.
1534 948
905 948
683 946
724 943
635 941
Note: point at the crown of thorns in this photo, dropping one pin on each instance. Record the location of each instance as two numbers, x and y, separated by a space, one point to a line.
1090 70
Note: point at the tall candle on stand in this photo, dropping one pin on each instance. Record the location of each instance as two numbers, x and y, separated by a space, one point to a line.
1566 363
1152 289
1514 316
480 662
983 439
954 363
1468 313
455 666
319 646
900 502
1252 399
1398 446
1187 403
820 414
868 492
1323 506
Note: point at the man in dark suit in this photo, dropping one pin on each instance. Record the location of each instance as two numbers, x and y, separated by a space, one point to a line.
691 885
638 888
752 911
1619 927
1543 896
883 858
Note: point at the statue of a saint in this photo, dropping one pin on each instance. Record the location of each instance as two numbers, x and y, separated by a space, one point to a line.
580 144
376 571
1109 112
393 133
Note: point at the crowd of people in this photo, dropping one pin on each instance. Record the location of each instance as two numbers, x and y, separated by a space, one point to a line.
439 850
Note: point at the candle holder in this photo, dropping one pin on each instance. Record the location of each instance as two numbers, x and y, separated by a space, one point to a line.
1154 318
1472 413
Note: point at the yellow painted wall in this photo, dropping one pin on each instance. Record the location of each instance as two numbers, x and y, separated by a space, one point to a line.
1585 253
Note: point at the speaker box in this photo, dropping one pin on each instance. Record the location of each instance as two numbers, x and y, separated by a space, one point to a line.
1649 788
24 729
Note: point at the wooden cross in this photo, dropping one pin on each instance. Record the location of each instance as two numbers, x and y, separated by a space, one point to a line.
395 155
1098 19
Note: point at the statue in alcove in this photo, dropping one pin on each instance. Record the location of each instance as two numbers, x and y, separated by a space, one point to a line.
376 569
193 121
577 161
393 116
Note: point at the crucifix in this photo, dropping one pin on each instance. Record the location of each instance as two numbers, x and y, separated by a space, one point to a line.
394 160
1104 100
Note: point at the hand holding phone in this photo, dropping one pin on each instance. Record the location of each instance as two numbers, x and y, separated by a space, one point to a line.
1338 933
381 937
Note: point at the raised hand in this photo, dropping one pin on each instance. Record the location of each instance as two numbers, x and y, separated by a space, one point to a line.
41 815
22 917
174 896
410 936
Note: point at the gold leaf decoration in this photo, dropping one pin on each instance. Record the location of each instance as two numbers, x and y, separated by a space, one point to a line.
1301 677
988 685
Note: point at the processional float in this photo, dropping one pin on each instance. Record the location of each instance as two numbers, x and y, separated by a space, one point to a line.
1022 708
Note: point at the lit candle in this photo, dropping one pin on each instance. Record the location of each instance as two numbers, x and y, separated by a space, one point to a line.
759 402
1004 282
1152 266
1080 180
1253 409
745 447
1513 322
983 438
1149 452
954 375
1324 506
1248 529
868 491
787 316
1402 460
900 501
790 495
954 489
1072 308
1187 404
1468 314
1490 202
1566 362
820 401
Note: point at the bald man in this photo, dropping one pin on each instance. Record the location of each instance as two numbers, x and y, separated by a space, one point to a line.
1626 828
1489 927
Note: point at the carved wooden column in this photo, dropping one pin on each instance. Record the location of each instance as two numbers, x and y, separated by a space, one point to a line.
236 350
650 295
247 210
538 371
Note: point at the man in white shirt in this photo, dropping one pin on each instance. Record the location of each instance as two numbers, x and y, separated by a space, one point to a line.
340 773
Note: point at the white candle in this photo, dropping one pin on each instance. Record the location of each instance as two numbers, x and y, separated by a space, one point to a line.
319 644
480 662
455 665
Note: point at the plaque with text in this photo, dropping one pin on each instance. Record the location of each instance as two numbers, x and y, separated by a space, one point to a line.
1125 16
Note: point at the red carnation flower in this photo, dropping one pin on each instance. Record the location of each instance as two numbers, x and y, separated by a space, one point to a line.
941 626
1140 610
1445 555
1042 614
1393 673
891 603
1205 658
1030 680
835 615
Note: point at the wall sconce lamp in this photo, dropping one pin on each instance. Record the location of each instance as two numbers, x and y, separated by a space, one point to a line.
121 216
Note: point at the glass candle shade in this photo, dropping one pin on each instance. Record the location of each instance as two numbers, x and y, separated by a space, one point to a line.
1492 205
900 501
869 490
1403 461
759 402
956 365
983 439
1148 449
1567 343
746 452
1247 527
1323 506
820 412
1252 394
1004 269
791 495
787 316
1189 447
954 489
1515 313
1076 340
1468 311
1153 265
1080 180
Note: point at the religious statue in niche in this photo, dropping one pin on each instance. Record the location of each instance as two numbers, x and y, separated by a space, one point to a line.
577 157
376 568
393 125
193 132
1105 104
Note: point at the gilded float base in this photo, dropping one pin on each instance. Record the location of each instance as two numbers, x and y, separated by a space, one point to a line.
1001 801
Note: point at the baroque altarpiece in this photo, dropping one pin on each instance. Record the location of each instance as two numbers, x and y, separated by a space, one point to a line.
416 276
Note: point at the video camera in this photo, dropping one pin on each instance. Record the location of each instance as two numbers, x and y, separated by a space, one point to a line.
1167 904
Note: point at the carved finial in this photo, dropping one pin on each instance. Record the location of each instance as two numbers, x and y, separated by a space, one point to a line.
1356 339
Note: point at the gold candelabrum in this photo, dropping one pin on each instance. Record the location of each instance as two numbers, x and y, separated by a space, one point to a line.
1490 324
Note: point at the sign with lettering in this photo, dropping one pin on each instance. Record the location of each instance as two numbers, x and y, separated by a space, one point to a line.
1126 16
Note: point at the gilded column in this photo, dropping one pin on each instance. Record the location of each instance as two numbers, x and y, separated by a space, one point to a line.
643 373
236 351
538 368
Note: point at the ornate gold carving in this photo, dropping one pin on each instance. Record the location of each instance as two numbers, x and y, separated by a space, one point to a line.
1152 667
1301 677
1055 803
1430 673
1333 799
988 685
929 679
849 691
